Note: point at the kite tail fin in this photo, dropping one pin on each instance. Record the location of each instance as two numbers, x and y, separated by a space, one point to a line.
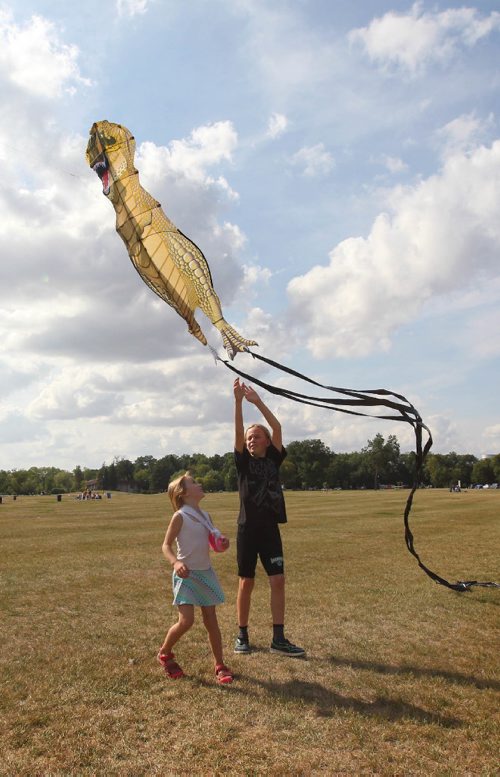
233 342
195 330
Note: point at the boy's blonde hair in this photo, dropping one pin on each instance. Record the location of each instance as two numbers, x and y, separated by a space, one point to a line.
177 489
259 426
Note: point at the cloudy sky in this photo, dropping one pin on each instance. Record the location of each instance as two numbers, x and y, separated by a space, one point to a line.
337 162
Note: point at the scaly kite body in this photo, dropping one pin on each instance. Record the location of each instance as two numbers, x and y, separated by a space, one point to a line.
171 264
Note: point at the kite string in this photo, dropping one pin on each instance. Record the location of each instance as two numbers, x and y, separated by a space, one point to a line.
408 413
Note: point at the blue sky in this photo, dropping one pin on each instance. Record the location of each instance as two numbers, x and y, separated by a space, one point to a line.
337 162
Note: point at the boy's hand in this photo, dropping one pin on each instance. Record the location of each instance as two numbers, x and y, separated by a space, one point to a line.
239 390
250 394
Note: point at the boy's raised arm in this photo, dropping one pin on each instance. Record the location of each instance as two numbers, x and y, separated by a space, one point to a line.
276 435
239 431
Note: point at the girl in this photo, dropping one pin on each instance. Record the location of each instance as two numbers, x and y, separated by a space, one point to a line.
194 581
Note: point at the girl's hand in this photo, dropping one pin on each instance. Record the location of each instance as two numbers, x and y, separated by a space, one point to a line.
181 569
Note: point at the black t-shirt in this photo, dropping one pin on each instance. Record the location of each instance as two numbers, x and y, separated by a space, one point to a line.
261 497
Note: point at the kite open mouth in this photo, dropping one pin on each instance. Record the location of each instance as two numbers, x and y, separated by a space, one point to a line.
100 167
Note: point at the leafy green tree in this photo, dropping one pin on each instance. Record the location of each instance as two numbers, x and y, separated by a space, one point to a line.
199 469
495 462
338 473
443 470
230 475
142 479
405 473
212 481
164 469
160 476
64 481
78 475
31 484
108 478
217 462
311 457
360 475
289 474
89 474
124 472
483 471
382 458
145 462
45 479
459 467
4 481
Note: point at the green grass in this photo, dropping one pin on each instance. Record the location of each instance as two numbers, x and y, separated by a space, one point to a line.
401 676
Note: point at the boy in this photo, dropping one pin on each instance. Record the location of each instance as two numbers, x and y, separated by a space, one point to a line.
258 456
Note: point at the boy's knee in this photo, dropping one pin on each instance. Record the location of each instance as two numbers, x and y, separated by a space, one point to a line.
277 582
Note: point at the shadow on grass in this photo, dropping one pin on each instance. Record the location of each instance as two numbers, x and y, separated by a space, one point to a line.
326 703
455 677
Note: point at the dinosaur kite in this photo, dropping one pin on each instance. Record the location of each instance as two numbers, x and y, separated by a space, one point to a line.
175 269
168 261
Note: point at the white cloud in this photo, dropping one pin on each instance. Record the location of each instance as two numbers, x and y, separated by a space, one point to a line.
464 133
270 332
492 435
314 161
441 237
72 395
480 334
255 274
233 233
34 59
131 8
255 278
286 49
207 146
393 164
414 40
277 125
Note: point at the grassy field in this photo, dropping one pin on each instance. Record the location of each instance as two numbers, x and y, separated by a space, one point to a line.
401 676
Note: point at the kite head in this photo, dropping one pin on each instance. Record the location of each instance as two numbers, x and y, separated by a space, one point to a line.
110 153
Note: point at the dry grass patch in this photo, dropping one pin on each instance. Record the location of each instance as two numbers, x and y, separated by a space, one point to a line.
401 674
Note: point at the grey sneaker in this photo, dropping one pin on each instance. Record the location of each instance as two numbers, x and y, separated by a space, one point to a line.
241 646
287 649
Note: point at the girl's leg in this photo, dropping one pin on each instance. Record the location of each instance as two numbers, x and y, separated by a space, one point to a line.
214 635
223 675
175 632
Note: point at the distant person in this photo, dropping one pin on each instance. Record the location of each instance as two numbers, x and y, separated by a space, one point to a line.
194 581
258 456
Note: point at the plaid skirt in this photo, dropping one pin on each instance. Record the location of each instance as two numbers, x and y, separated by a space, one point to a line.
201 588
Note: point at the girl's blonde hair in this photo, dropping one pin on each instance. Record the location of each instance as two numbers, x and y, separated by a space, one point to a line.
177 489
259 426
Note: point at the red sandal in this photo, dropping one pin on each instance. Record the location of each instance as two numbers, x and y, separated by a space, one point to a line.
223 675
171 667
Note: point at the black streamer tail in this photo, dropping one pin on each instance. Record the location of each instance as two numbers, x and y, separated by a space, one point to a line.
400 410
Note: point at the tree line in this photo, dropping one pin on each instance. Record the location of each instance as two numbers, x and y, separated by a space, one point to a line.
310 464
